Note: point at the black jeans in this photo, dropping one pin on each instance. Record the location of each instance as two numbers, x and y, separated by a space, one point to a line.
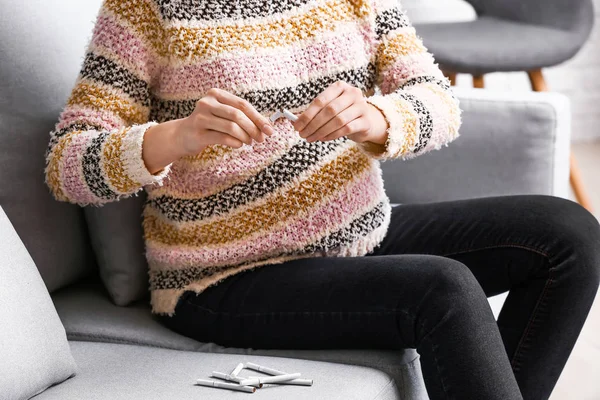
425 287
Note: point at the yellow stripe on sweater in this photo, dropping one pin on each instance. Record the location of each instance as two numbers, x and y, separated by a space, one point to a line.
145 19
410 125
54 163
113 163
302 196
90 94
404 43
188 42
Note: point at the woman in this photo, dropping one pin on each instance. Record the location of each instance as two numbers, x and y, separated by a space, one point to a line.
280 235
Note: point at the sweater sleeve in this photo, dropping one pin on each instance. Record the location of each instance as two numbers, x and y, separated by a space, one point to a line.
94 154
414 96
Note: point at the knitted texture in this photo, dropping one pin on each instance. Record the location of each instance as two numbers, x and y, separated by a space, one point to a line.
224 210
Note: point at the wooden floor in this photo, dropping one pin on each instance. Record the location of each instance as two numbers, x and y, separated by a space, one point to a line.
580 379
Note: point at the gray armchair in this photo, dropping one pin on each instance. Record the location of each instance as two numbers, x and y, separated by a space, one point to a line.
509 145
514 35
511 35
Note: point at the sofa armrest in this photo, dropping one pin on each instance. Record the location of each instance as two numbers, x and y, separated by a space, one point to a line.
510 143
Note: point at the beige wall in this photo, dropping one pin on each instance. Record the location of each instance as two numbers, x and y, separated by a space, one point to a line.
578 78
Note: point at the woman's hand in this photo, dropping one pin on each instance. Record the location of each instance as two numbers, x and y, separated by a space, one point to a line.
218 118
221 118
342 110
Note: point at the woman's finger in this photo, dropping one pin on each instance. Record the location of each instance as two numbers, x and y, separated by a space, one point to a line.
344 117
217 137
354 127
319 102
327 113
233 114
229 127
262 123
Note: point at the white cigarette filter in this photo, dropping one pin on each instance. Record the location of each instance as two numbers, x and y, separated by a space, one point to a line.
237 369
289 115
225 385
270 379
231 378
266 370
275 116
297 382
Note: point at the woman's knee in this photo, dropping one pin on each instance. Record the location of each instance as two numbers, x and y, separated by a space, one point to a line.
453 296
427 278
575 235
453 280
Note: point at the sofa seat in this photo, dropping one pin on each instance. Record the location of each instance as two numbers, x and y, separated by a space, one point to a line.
129 372
88 315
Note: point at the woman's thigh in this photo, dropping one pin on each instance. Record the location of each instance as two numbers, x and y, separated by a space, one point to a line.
349 302
505 241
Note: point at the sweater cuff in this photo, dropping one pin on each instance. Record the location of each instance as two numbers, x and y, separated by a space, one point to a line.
133 162
396 139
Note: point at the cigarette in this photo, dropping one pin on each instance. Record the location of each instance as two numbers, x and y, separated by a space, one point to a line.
266 370
298 382
224 385
237 369
275 116
272 371
231 378
270 379
289 115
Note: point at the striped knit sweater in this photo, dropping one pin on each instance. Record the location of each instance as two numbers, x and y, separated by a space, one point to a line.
225 210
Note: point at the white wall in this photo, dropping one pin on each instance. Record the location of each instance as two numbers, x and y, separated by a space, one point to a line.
578 78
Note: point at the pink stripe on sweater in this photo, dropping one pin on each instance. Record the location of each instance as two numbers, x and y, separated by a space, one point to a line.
202 179
289 235
76 114
408 67
123 42
257 70
71 172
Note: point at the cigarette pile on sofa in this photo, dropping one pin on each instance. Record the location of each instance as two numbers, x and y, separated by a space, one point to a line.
251 383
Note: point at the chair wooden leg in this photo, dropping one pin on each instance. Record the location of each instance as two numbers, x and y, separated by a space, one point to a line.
538 83
452 77
478 81
577 184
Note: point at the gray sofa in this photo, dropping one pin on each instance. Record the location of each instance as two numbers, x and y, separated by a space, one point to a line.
510 144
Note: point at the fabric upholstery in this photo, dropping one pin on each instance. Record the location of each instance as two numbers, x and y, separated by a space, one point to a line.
118 240
567 15
113 371
33 345
89 315
40 57
43 60
509 144
489 45
511 35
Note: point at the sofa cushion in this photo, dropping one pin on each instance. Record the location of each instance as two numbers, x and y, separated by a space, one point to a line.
113 371
33 345
40 59
118 240
88 314
509 144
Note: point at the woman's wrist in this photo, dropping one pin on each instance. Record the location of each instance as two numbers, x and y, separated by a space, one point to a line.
161 147
379 126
